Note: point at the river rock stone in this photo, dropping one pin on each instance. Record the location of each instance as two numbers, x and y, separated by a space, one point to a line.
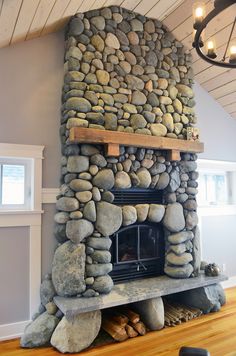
151 312
76 26
109 218
112 41
98 160
84 197
185 91
39 331
97 270
103 284
191 220
158 130
68 269
163 181
101 256
142 212
76 333
47 291
98 43
196 253
138 98
77 164
80 185
79 104
100 243
103 77
77 230
129 215
90 211
180 271
180 237
174 217
174 181
104 179
144 178
98 22
67 204
134 82
122 180
156 212
179 260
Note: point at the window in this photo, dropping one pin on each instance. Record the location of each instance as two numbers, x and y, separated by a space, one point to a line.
20 178
216 183
15 183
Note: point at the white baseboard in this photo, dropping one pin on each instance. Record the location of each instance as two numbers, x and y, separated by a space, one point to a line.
12 331
231 282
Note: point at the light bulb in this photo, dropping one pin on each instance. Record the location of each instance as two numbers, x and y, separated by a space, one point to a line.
198 14
211 46
232 54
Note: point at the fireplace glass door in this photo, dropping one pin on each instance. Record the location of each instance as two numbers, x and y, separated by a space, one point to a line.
137 252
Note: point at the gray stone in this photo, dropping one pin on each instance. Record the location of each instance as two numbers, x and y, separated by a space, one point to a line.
122 180
134 82
98 22
98 160
180 271
142 212
156 212
137 121
90 211
158 130
108 197
68 269
101 256
77 333
180 237
84 197
167 121
136 25
100 243
47 291
138 98
51 308
61 218
196 251
109 218
77 164
152 99
185 91
122 38
130 108
179 260
151 312
178 249
208 299
67 204
163 181
77 230
103 284
104 179
174 218
98 43
157 168
144 177
80 185
151 59
79 104
97 270
88 150
191 220
174 181
76 26
39 332
76 122
129 215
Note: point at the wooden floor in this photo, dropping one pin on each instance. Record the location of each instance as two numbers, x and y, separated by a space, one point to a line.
215 332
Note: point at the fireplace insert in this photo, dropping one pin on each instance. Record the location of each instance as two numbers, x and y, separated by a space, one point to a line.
137 252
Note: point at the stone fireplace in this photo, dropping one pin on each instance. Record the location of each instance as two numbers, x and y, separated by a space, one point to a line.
127 203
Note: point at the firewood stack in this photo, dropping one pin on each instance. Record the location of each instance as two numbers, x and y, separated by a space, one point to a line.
176 314
122 323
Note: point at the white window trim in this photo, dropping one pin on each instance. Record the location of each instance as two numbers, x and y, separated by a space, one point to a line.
32 220
205 165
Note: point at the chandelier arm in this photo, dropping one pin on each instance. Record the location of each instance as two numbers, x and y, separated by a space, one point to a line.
227 46
203 25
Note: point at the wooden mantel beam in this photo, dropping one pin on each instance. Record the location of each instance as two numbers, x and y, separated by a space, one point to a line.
113 139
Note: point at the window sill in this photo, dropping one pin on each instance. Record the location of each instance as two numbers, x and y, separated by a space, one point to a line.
20 212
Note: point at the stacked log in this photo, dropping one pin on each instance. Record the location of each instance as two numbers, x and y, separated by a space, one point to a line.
122 323
176 314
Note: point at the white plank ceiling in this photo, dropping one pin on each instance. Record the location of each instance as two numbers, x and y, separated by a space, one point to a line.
22 20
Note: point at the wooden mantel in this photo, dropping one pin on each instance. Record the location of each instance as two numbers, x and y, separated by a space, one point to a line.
113 139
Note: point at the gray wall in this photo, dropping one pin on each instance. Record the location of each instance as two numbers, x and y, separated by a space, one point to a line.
31 80
217 131
14 274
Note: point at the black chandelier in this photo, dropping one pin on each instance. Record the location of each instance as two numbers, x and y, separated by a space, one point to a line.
200 22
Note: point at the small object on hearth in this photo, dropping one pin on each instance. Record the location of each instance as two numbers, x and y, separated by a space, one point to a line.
212 270
192 133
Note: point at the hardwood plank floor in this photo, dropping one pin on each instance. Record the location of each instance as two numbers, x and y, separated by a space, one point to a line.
215 332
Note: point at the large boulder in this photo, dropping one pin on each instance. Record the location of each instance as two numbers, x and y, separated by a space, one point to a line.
151 312
76 333
39 332
109 218
174 219
68 269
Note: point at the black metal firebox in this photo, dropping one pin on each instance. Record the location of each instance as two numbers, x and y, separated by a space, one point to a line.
137 250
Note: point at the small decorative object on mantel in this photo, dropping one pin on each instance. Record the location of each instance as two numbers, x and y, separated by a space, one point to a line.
192 133
212 270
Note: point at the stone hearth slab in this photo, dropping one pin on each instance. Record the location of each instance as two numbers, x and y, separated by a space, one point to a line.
133 291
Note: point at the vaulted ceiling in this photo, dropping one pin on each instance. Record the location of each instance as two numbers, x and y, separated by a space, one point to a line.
22 20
